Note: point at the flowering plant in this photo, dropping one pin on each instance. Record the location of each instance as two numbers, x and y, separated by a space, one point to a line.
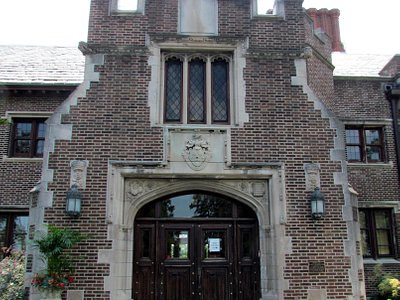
389 287
53 281
53 248
12 269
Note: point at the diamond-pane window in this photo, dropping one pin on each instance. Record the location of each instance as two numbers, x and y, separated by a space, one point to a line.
220 91
173 91
197 91
196 88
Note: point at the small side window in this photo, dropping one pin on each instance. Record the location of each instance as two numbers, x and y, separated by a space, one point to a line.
365 144
126 6
13 231
377 234
268 8
28 137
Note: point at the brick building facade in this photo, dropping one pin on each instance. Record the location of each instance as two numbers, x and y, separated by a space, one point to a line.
237 112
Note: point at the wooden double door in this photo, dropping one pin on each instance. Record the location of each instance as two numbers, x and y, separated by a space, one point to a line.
210 260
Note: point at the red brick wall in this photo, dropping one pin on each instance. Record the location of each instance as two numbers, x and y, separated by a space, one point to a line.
112 123
18 178
364 100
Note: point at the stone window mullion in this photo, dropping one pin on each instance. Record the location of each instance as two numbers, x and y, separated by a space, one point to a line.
208 91
185 91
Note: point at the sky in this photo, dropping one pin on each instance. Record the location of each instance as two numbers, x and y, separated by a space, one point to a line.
365 26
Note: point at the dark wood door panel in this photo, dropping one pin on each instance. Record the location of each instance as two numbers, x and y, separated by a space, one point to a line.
248 283
196 260
144 283
177 283
215 284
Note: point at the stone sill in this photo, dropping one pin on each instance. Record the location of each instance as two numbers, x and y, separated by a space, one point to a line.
370 165
387 260
21 159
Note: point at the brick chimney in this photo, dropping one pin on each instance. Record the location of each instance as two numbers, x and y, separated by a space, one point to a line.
328 21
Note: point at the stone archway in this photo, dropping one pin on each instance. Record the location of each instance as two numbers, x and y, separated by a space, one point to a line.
131 188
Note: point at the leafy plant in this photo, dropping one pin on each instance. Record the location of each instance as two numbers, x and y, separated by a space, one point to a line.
53 248
389 288
388 285
4 121
12 270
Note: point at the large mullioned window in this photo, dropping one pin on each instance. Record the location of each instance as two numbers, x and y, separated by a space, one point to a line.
197 89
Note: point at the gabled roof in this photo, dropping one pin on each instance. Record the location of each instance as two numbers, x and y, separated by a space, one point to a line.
40 65
46 65
359 65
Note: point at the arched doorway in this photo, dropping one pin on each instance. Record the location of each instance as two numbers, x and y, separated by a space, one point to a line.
196 246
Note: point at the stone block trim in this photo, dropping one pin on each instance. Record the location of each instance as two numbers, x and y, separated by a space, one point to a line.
57 131
340 178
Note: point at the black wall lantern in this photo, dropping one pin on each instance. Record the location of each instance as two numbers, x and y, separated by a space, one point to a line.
317 204
74 199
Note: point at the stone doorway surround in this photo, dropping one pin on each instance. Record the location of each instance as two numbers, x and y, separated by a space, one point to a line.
134 184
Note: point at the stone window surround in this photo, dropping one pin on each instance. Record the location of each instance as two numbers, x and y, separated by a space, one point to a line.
199 44
131 186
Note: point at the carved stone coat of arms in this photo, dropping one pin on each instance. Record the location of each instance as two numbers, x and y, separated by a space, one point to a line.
197 152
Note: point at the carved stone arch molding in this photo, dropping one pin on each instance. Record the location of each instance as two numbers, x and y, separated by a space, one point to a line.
140 191
130 187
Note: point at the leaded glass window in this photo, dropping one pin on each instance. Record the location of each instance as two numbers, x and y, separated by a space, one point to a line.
197 91
220 91
196 88
173 90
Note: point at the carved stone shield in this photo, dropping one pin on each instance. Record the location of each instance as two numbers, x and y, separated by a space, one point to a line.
197 152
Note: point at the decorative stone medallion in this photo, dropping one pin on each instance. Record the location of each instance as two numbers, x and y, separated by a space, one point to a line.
312 176
197 152
78 173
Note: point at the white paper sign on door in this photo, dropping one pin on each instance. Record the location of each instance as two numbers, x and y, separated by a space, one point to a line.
214 245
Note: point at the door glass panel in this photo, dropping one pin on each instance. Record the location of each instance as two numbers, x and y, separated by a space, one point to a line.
196 206
177 244
246 244
214 244
146 237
